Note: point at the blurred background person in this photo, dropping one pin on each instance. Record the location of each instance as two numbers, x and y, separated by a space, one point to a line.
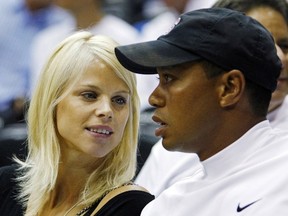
21 21
278 109
170 10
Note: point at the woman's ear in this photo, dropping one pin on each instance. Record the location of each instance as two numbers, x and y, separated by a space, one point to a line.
231 88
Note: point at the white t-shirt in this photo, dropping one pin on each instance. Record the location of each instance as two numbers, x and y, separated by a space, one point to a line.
249 178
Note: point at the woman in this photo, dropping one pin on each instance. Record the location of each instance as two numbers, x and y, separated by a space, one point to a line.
83 120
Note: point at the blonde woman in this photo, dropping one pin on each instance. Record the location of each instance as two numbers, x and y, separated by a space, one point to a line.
83 121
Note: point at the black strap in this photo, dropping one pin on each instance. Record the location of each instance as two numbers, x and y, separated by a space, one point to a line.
94 205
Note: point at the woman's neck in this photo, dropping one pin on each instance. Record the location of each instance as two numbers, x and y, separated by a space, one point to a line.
65 196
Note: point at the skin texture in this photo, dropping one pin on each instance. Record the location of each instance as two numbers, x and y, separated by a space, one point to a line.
277 25
195 113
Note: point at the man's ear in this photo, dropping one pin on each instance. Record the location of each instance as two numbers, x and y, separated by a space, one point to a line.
231 88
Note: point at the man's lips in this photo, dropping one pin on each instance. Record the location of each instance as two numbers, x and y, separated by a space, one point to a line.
160 130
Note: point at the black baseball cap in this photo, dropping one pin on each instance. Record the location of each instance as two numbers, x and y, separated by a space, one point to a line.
225 37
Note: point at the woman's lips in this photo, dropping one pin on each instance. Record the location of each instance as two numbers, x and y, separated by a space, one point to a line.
100 131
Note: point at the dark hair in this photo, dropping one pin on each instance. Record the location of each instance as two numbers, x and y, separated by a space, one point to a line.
259 97
247 5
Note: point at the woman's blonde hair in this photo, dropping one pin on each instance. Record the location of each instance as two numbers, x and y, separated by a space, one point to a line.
62 71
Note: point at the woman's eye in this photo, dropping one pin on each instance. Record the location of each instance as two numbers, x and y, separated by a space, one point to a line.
89 95
120 100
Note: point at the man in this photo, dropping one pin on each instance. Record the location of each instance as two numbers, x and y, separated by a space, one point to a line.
165 168
217 70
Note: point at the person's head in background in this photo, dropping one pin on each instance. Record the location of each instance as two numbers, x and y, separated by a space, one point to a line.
35 5
272 14
178 5
183 6
85 12
84 112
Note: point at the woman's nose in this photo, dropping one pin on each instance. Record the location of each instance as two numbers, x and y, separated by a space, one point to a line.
103 109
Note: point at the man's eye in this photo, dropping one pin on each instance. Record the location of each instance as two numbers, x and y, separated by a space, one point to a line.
167 78
284 47
120 100
89 95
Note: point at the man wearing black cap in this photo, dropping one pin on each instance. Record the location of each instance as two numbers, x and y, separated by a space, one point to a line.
217 70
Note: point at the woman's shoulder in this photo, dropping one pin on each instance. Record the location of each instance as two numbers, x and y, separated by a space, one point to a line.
129 200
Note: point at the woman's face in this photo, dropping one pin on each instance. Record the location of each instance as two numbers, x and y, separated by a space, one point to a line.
276 24
91 119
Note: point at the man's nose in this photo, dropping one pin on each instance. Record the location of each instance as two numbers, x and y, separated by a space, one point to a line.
156 98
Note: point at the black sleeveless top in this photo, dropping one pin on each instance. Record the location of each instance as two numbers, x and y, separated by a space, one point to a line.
127 203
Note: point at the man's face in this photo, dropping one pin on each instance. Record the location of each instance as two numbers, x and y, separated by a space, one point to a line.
186 108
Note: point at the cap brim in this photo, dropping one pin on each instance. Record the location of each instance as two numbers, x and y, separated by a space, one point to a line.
144 58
